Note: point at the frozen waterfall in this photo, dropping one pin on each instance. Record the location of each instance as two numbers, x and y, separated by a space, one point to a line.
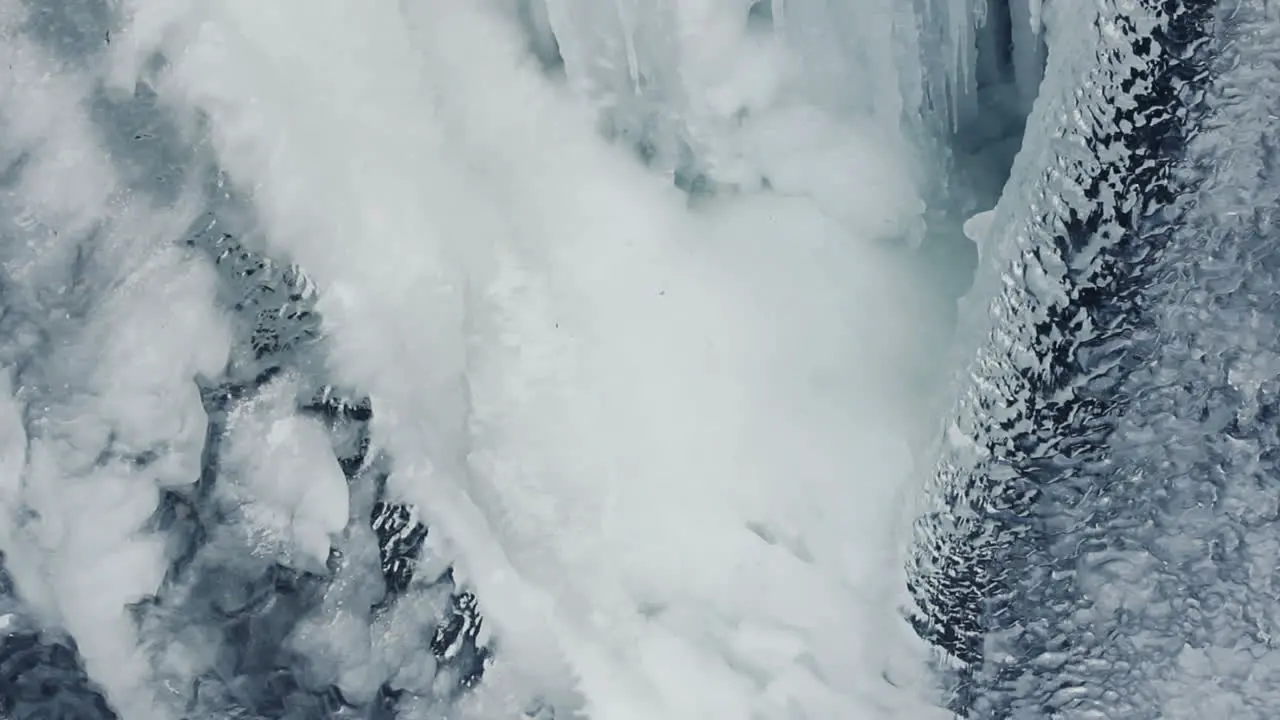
637 359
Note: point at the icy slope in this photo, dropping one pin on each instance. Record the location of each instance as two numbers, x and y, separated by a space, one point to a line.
1106 528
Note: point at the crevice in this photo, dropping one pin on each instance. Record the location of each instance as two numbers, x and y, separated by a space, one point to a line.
760 16
533 19
978 153
1009 66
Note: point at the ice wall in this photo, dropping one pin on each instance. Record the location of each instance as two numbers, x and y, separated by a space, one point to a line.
1103 513
681 78
945 84
969 44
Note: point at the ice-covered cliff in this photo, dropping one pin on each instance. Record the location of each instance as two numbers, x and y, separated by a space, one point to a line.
642 359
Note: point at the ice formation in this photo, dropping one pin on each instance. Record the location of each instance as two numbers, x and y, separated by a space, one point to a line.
582 358
978 228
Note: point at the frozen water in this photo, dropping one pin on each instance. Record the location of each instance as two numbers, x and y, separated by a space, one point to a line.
978 228
654 415
1109 435
554 358
579 385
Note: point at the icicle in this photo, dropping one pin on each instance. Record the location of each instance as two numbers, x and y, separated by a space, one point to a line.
1028 50
979 13
629 42
959 42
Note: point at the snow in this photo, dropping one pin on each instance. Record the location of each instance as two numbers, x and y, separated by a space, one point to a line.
99 405
284 478
664 441
978 228
590 389
646 342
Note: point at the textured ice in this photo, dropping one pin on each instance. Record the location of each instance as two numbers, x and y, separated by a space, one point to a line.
1108 523
553 358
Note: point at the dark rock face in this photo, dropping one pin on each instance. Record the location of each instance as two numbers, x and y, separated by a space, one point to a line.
254 607
1103 510
42 679
260 674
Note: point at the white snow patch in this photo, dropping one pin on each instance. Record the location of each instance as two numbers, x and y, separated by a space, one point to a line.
978 229
592 391
111 323
282 476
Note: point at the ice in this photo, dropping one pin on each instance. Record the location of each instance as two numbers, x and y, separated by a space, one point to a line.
618 54
1141 558
933 61
283 476
1029 50
978 228
641 298
590 389
641 326
679 79
100 357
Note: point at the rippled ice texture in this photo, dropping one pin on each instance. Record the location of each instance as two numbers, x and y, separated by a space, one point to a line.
281 279
1110 473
